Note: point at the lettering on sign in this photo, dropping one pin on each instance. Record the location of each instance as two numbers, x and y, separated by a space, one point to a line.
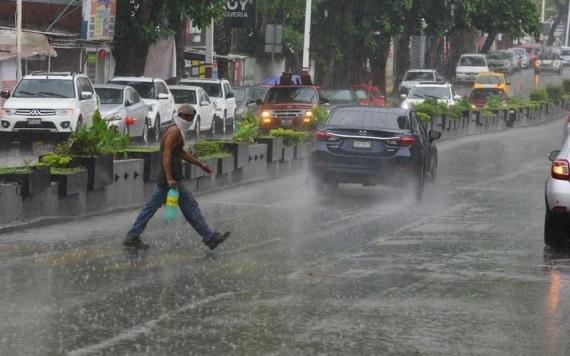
240 12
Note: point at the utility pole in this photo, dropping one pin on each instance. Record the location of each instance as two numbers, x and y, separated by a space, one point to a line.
19 39
542 12
567 26
307 38
210 49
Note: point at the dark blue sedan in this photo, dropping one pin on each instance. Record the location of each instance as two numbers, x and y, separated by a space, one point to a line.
370 145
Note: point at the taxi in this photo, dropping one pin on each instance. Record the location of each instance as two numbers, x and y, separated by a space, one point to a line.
492 80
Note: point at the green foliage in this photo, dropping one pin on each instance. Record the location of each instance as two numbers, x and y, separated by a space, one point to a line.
247 129
290 137
94 140
64 171
566 85
487 114
430 107
205 148
55 160
143 149
494 102
555 92
320 116
517 102
538 95
455 111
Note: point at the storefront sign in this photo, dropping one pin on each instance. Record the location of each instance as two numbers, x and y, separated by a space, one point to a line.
98 19
240 13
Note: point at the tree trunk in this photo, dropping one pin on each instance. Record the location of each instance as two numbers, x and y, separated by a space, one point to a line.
555 24
179 28
378 63
402 57
488 42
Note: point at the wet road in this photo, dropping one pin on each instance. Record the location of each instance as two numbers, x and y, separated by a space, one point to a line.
356 271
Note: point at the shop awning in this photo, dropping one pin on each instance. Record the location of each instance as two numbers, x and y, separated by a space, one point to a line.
33 44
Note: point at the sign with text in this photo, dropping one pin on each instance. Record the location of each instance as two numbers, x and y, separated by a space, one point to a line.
240 13
98 19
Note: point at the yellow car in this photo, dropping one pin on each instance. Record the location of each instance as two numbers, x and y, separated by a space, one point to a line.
492 80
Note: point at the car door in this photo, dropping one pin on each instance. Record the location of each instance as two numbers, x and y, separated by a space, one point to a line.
137 110
208 110
423 144
164 106
88 105
230 100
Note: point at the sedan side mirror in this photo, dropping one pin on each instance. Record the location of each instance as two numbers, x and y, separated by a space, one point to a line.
434 135
86 95
552 156
5 94
230 95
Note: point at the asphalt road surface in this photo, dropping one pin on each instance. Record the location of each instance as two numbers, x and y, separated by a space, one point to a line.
357 271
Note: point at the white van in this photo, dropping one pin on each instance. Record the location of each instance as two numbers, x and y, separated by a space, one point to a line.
470 66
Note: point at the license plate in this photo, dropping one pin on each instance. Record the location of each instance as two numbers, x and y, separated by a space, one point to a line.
286 122
34 121
361 144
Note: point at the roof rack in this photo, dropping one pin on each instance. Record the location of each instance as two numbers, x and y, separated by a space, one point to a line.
53 74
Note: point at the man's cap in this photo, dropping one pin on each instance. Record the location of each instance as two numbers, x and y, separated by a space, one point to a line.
186 110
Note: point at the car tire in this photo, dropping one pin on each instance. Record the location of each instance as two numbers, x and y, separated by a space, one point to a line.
155 133
554 235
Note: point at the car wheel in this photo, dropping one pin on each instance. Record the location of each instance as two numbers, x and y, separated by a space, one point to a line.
553 233
79 123
155 134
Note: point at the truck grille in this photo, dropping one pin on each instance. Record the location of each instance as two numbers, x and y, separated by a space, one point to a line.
35 112
287 114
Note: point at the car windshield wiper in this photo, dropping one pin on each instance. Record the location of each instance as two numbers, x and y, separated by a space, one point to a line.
26 93
46 93
419 96
433 97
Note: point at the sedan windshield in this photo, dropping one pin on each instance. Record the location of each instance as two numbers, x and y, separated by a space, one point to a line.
368 119
213 89
489 79
472 61
419 76
184 96
498 55
338 95
430 92
484 94
284 95
44 88
145 89
110 95
548 56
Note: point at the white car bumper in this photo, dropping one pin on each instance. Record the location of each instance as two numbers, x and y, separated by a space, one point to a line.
22 124
557 193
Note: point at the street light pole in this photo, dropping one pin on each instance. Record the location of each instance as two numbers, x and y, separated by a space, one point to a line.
307 37
19 39
542 12
567 26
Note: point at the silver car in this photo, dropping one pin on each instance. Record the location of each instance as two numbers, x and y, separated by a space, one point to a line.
557 217
124 110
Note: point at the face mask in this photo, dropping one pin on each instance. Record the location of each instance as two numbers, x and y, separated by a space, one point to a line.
183 126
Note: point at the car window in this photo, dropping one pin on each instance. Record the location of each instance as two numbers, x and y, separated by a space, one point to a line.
135 98
145 89
499 55
110 96
489 79
184 96
548 56
484 94
44 88
430 92
361 94
278 95
87 85
369 119
337 95
161 88
419 76
205 96
472 61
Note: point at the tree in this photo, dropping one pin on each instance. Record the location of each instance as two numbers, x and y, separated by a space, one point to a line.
562 7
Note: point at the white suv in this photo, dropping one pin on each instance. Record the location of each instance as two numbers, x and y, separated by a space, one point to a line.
55 103
221 93
155 93
443 93
470 66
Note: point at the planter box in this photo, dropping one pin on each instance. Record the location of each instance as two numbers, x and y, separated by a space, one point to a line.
70 183
288 153
152 164
301 150
274 147
226 165
32 180
99 170
240 150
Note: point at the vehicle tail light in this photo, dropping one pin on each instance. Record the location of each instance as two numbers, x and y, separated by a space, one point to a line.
560 209
405 141
560 169
324 136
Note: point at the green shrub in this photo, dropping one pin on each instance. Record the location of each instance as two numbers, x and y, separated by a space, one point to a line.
320 116
55 160
430 107
517 102
207 148
566 85
494 102
455 111
247 129
487 114
538 95
555 92
290 137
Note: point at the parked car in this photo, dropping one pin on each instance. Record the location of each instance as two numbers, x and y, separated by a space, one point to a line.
557 197
53 103
220 91
415 76
522 55
155 93
373 95
370 146
341 97
199 99
246 98
565 56
124 110
444 93
492 80
532 50
469 66
548 62
289 106
479 97
502 61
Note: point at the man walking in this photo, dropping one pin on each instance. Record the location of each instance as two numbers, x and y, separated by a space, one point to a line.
170 176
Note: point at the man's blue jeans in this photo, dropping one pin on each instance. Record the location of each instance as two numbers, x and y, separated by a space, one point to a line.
188 205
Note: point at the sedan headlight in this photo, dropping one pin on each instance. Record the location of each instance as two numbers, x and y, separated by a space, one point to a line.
64 112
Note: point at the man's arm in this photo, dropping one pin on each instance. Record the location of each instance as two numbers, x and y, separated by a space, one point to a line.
171 139
191 159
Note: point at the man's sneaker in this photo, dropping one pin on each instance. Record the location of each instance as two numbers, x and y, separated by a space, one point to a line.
135 243
216 239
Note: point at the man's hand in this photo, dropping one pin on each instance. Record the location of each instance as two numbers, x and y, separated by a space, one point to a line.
206 168
171 183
